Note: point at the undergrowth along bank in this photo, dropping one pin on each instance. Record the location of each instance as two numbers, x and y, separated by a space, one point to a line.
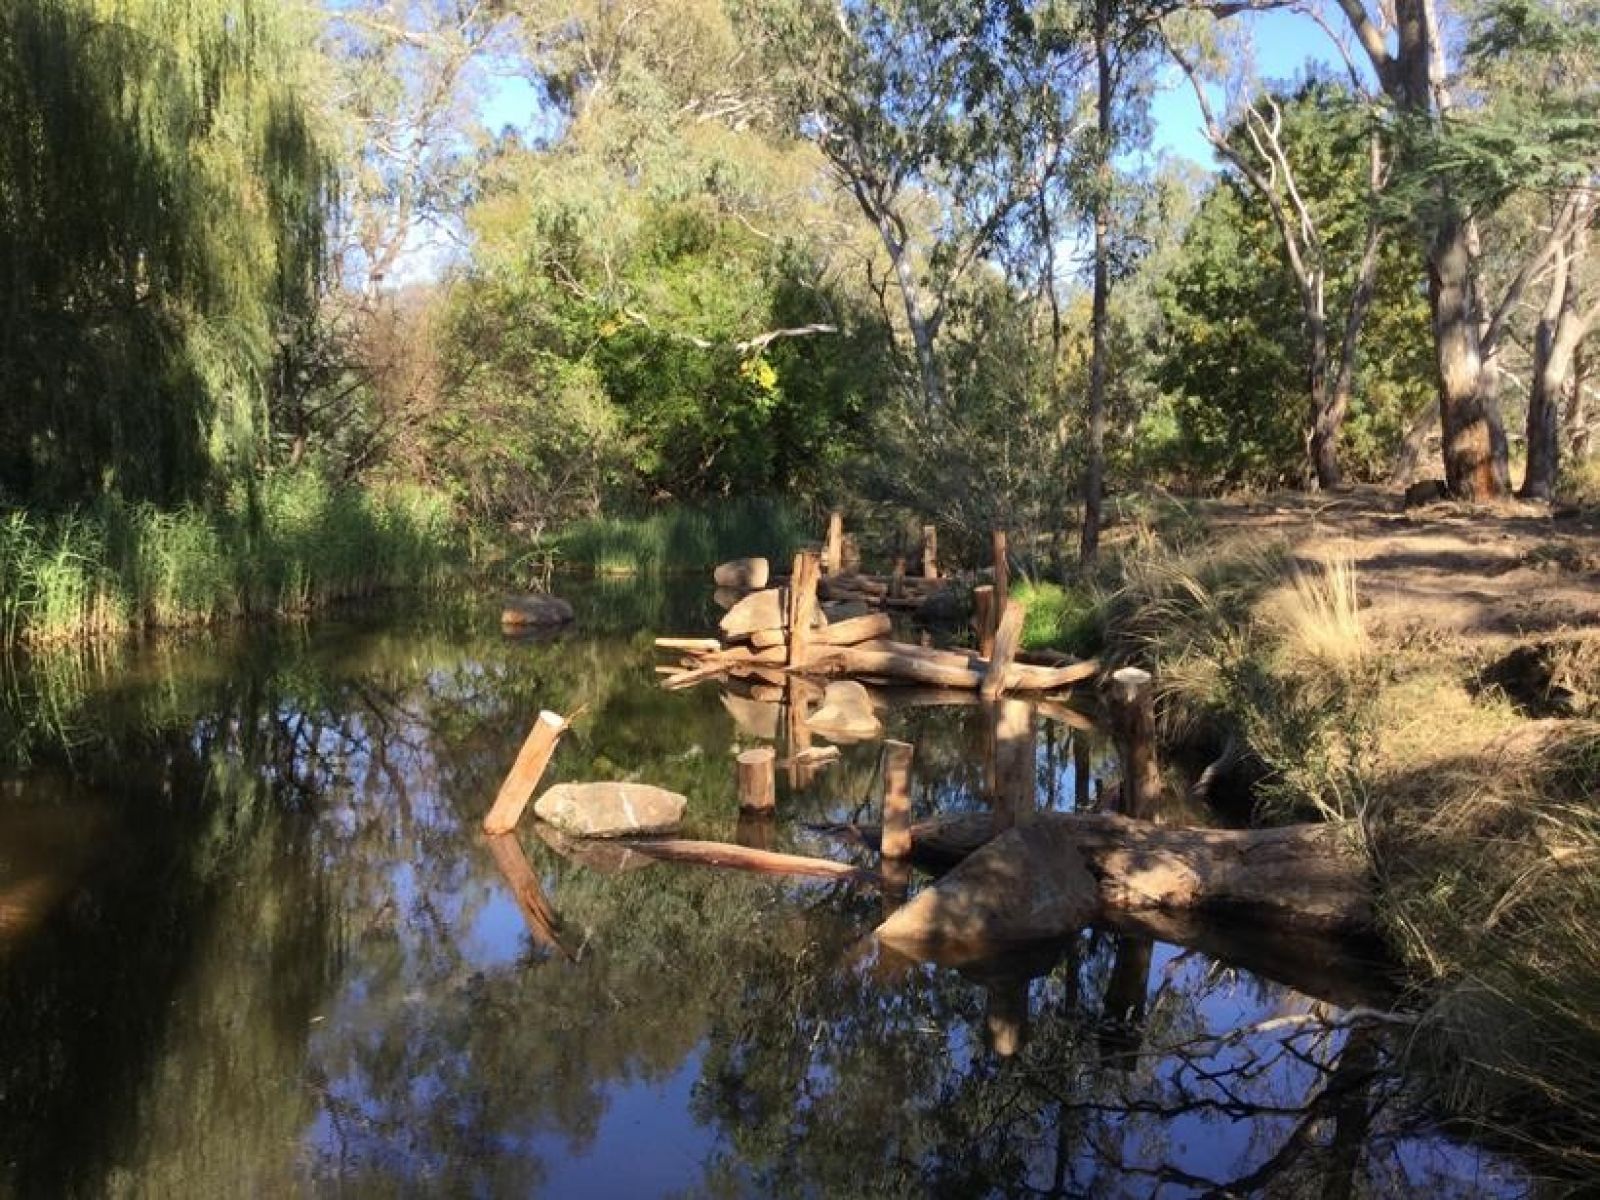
681 538
1481 825
114 567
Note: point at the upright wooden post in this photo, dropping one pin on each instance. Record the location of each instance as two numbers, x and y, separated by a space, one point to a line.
757 787
1002 572
983 618
1130 704
797 708
1007 640
802 606
896 799
930 552
897 581
525 774
833 547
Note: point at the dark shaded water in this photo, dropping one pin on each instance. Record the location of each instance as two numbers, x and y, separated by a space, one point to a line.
251 943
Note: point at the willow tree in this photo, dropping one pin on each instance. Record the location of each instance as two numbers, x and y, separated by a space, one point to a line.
161 201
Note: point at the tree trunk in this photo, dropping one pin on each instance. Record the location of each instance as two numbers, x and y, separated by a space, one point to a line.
1577 418
1475 448
1328 419
1094 469
921 328
1555 343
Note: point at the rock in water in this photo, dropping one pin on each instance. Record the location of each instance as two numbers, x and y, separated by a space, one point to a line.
1027 884
535 610
846 713
608 810
746 574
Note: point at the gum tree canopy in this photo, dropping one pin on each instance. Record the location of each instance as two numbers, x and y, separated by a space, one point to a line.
161 202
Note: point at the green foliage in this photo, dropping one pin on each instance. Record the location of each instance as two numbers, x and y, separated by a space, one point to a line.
119 566
1232 367
682 538
161 204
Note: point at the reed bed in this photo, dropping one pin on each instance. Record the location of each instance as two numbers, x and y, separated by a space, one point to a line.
114 567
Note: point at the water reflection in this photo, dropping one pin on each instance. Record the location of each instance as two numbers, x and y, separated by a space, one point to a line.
262 948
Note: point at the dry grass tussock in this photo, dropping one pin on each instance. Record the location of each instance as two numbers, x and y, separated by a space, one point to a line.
1319 613
1490 868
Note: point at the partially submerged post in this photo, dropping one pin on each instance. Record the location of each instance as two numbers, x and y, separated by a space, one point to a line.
896 799
1130 704
1007 640
757 786
525 774
528 893
802 606
833 547
930 552
983 618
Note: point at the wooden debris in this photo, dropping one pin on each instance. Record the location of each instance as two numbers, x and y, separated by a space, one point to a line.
742 858
1130 705
525 773
1301 876
1008 636
802 606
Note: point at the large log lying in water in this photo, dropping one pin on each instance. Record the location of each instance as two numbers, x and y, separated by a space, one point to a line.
1295 876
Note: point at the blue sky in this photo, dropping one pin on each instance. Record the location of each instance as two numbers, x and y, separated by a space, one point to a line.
1283 43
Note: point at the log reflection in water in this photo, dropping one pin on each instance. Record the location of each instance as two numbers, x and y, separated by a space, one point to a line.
527 891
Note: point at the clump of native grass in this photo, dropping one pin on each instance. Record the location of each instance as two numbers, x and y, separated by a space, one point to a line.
1247 647
1489 862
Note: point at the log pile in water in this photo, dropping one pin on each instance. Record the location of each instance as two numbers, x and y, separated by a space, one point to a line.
758 639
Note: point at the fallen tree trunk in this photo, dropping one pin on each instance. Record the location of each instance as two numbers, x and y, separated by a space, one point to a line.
840 633
1299 876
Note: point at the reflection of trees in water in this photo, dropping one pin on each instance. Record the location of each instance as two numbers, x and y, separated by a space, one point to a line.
289 967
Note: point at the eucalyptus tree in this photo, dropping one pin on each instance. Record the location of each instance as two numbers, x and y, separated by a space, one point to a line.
162 194
936 118
1535 142
1268 154
1459 166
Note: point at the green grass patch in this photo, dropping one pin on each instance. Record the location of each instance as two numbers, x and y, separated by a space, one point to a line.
682 538
1059 618
117 567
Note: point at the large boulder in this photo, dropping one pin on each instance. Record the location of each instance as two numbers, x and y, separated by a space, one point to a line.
746 574
534 610
1028 884
609 810
846 713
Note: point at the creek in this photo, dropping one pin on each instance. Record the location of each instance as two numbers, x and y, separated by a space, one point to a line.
252 942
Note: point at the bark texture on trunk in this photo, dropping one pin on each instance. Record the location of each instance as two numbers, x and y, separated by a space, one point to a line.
1094 469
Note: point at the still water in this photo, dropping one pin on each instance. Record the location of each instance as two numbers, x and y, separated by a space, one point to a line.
252 944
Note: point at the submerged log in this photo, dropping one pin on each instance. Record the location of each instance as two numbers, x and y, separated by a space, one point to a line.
742 858
1302 876
525 773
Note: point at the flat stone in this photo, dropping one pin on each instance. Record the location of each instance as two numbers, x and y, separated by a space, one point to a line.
609 810
846 713
535 610
1028 884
